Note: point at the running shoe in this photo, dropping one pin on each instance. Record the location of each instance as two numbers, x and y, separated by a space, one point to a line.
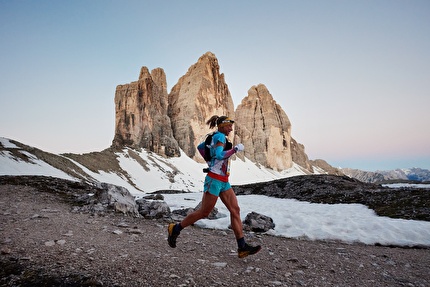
171 239
248 250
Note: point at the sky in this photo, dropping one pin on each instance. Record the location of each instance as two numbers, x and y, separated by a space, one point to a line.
352 76
350 223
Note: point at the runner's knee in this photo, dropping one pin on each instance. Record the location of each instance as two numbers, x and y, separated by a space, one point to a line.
204 212
235 209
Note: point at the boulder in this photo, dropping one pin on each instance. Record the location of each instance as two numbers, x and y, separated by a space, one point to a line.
153 208
118 198
257 222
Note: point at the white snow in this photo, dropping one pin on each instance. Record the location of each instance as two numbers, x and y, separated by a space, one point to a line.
10 165
185 171
6 143
110 177
244 172
293 219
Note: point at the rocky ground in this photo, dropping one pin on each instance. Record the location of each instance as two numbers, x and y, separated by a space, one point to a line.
45 243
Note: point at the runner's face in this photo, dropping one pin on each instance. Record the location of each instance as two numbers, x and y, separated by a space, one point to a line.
226 129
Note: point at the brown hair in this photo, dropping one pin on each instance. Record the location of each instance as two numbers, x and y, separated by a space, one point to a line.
216 121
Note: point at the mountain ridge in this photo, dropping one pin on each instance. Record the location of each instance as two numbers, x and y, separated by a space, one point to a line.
138 170
398 175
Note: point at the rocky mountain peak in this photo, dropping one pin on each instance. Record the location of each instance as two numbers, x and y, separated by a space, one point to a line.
148 117
141 119
264 128
199 94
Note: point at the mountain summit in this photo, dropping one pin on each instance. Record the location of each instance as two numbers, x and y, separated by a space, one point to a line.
199 94
148 117
141 119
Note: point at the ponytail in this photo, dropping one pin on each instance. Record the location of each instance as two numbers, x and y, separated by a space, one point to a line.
212 122
215 121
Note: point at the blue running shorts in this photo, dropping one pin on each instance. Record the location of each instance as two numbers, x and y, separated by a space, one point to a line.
215 186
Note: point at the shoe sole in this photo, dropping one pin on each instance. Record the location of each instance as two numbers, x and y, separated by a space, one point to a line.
243 254
170 232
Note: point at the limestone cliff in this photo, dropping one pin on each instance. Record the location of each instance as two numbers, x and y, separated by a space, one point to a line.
265 130
199 94
141 119
148 117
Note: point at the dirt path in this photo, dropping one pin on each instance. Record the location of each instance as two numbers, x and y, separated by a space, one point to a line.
44 243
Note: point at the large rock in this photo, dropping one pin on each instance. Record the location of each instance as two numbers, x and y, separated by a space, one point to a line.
141 119
118 198
258 222
199 94
153 208
265 130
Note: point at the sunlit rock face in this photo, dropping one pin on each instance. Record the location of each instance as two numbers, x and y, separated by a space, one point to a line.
148 117
199 94
141 119
265 130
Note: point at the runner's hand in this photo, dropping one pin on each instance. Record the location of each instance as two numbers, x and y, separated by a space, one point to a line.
239 147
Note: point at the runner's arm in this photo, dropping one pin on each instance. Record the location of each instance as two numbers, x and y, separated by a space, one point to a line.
220 154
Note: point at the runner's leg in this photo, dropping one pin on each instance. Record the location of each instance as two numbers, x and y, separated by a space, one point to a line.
208 203
229 199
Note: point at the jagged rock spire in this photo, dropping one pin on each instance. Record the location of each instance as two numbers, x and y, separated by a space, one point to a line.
141 119
199 94
264 128
148 117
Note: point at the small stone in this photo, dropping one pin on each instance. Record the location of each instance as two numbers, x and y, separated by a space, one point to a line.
5 250
69 233
220 264
122 224
135 231
50 243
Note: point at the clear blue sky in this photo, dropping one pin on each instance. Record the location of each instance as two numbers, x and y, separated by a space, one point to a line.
353 76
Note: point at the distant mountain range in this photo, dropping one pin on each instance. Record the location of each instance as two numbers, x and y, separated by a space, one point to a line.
389 176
